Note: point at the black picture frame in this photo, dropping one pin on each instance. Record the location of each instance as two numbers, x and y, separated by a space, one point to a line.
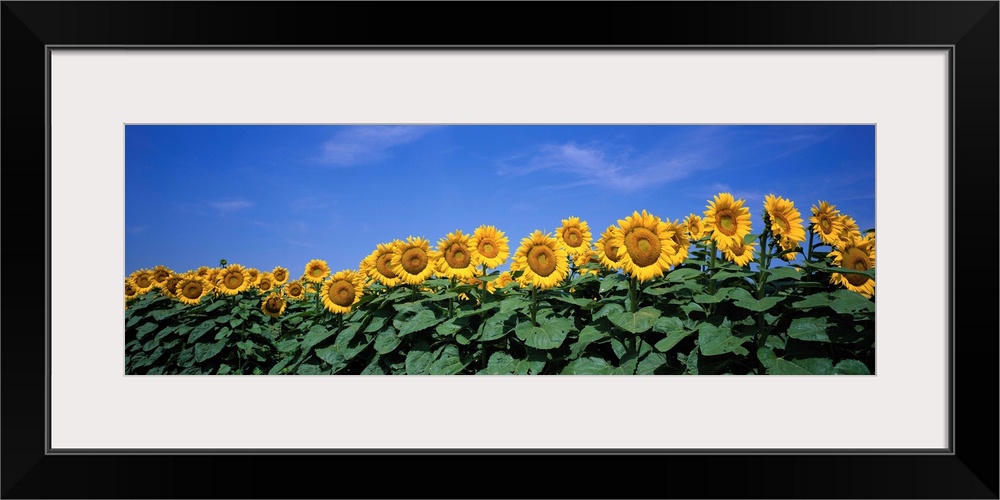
970 29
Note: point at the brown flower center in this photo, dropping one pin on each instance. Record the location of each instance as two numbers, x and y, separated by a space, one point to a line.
610 251
825 224
280 275
161 275
573 237
143 281
171 284
642 246
414 260
273 305
265 284
192 290
316 272
542 260
233 280
782 222
382 265
488 248
130 290
726 222
457 256
342 293
294 290
857 259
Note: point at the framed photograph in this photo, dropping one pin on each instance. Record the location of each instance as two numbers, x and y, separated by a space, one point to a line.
156 129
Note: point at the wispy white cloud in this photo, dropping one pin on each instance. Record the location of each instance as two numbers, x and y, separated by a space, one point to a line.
137 229
607 165
230 205
368 143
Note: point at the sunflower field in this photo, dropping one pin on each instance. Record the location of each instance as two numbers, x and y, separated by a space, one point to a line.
709 294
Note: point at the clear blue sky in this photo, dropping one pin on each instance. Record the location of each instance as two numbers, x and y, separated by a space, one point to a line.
266 196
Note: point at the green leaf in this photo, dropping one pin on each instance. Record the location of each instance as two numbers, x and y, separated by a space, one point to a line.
235 322
608 309
223 333
784 273
448 362
501 363
451 326
308 369
420 321
316 334
683 274
591 366
494 327
224 369
849 301
206 351
724 275
809 328
378 321
215 305
200 330
162 314
336 355
419 359
637 322
742 298
144 329
387 341
719 296
588 335
246 345
651 363
185 358
549 335
715 340
851 367
748 239
806 366
613 282
514 303
152 344
132 320
672 339
167 330
276 369
287 346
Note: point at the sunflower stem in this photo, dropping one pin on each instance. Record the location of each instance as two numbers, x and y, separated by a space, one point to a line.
534 304
711 268
632 294
340 323
482 320
451 300
765 262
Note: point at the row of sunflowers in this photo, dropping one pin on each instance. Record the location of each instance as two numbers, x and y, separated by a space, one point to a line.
645 275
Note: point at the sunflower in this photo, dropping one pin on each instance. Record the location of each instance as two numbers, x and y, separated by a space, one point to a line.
682 243
412 260
491 286
857 254
378 265
143 280
294 290
503 280
169 286
232 280
849 230
131 291
645 245
786 221
491 247
254 276
694 227
607 251
316 271
342 290
279 275
161 273
265 281
588 256
454 256
205 272
542 259
740 254
729 220
574 235
826 223
191 288
273 305
789 245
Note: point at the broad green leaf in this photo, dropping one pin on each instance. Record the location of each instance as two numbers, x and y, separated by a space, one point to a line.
276 369
386 341
672 339
814 300
849 301
683 274
650 363
806 366
223 319
613 282
851 367
588 335
235 322
742 298
767 357
223 333
200 330
420 321
714 340
514 303
316 334
287 345
719 296
379 319
494 328
215 305
144 329
501 363
419 359
206 351
186 358
549 335
451 326
150 345
809 328
569 299
637 322
336 355
374 368
667 324
724 275
162 314
750 238
224 369
448 362
591 366
608 309
133 320
167 330
246 345
784 273
308 369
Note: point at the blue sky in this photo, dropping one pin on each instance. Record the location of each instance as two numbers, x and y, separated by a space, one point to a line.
265 196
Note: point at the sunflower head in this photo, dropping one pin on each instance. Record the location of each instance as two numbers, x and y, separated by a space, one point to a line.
169 286
232 280
316 271
490 247
131 291
273 305
728 219
342 290
455 256
143 280
412 261
265 282
740 254
682 244
191 288
543 261
694 227
607 248
503 280
574 235
645 244
849 230
826 223
787 244
786 221
294 290
857 254
205 272
378 265
581 259
279 275
161 273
